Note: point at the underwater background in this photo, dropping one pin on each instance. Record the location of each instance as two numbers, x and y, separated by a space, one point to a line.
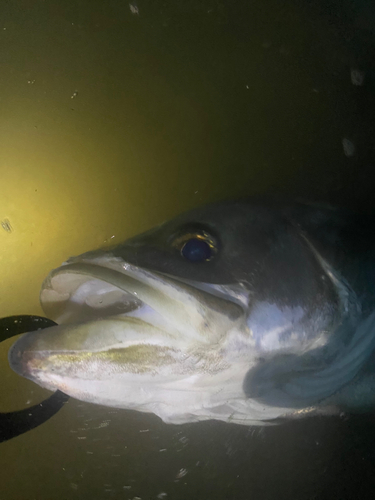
117 115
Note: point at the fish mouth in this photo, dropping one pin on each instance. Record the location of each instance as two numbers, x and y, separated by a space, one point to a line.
129 337
83 290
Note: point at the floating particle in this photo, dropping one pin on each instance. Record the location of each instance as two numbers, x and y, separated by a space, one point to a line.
162 495
348 146
75 93
134 9
105 423
181 473
6 225
357 76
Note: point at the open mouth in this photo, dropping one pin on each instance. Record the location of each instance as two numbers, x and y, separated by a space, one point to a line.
82 291
139 320
132 338
86 291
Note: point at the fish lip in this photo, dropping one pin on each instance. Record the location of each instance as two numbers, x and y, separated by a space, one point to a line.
28 363
20 356
15 358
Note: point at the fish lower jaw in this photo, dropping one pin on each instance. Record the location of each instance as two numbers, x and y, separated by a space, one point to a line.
187 400
182 400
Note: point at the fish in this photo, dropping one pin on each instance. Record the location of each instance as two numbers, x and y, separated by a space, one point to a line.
252 312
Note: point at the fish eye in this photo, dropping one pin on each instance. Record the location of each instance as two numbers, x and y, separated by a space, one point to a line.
196 250
196 246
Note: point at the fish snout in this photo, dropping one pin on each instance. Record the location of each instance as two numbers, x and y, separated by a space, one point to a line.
22 359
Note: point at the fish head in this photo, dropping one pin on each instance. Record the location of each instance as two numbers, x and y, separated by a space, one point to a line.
173 321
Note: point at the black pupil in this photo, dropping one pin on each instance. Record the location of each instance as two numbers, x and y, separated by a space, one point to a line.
196 250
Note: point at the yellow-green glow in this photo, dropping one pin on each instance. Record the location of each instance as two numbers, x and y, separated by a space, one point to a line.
102 138
64 192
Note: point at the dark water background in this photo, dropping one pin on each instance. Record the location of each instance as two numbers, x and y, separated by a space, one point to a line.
180 103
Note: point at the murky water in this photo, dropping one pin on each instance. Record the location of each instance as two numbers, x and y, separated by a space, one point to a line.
116 116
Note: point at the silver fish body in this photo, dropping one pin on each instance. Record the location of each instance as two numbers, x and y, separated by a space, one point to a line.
246 312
